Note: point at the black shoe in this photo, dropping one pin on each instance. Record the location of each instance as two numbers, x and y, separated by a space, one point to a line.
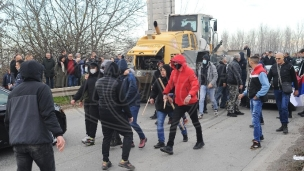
250 126
231 115
262 123
255 145
285 129
198 145
238 113
205 112
278 117
261 138
153 117
301 113
280 129
185 139
156 123
167 149
159 145
222 107
106 165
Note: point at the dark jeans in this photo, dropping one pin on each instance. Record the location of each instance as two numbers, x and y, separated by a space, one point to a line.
50 81
178 113
91 119
71 80
42 154
282 100
221 93
107 136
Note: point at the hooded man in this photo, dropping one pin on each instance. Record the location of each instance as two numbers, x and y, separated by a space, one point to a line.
31 120
90 104
207 76
114 114
186 85
131 98
243 65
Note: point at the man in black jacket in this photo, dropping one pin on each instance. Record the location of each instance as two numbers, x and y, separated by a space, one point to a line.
269 59
114 115
31 120
90 104
287 74
49 69
221 82
287 58
234 81
243 65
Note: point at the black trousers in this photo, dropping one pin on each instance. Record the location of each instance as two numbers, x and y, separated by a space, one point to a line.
107 136
178 113
91 119
41 154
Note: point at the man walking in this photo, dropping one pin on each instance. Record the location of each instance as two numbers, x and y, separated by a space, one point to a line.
221 92
234 81
49 69
31 121
283 73
186 85
257 88
207 76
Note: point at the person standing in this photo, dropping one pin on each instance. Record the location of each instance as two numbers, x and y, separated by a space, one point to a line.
186 85
243 65
19 78
207 76
33 122
234 81
114 114
221 92
70 64
61 73
49 69
157 98
269 59
132 97
287 58
14 71
90 104
280 73
7 79
257 89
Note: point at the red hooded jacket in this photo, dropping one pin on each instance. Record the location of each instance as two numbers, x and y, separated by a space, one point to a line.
184 81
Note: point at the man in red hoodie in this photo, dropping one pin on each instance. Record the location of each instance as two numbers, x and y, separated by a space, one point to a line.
186 85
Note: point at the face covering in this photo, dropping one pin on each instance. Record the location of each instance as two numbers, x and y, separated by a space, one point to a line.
204 61
102 70
92 71
177 66
86 69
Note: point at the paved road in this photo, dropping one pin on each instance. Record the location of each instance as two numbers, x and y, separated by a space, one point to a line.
227 145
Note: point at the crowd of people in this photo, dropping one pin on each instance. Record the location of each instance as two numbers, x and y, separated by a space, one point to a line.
109 93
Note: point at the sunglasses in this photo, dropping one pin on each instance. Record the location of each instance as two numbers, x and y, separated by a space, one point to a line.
278 58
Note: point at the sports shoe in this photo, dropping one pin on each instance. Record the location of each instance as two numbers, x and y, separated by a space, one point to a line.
261 138
90 141
231 115
167 149
200 116
198 145
159 145
238 113
142 143
126 164
85 139
205 112
106 165
153 116
255 145
185 138
216 112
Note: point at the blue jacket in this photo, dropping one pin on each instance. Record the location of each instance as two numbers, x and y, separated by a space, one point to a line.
18 81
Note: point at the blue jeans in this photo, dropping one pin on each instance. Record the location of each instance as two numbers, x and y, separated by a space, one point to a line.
50 81
203 91
42 154
134 111
71 80
221 93
256 111
160 125
282 100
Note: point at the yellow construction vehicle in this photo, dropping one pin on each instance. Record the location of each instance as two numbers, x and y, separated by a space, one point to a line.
190 35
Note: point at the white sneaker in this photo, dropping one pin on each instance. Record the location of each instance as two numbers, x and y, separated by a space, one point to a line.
84 140
200 116
215 112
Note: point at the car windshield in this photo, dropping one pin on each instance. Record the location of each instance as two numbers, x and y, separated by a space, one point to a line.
3 97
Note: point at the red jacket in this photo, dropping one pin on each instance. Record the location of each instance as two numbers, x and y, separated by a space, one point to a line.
184 81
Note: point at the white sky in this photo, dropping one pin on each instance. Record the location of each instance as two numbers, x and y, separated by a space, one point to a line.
233 15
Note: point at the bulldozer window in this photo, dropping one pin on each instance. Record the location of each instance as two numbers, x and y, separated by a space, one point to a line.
185 41
181 23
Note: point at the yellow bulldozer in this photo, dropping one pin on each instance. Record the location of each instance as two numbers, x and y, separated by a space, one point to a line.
191 35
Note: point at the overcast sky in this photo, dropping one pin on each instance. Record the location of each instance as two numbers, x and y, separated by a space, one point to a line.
246 14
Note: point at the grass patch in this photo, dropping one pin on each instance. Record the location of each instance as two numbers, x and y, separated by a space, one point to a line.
62 100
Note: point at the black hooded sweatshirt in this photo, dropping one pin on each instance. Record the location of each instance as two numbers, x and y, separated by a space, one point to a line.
113 112
30 116
157 91
89 87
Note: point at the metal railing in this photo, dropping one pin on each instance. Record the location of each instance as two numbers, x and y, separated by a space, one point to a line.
65 91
